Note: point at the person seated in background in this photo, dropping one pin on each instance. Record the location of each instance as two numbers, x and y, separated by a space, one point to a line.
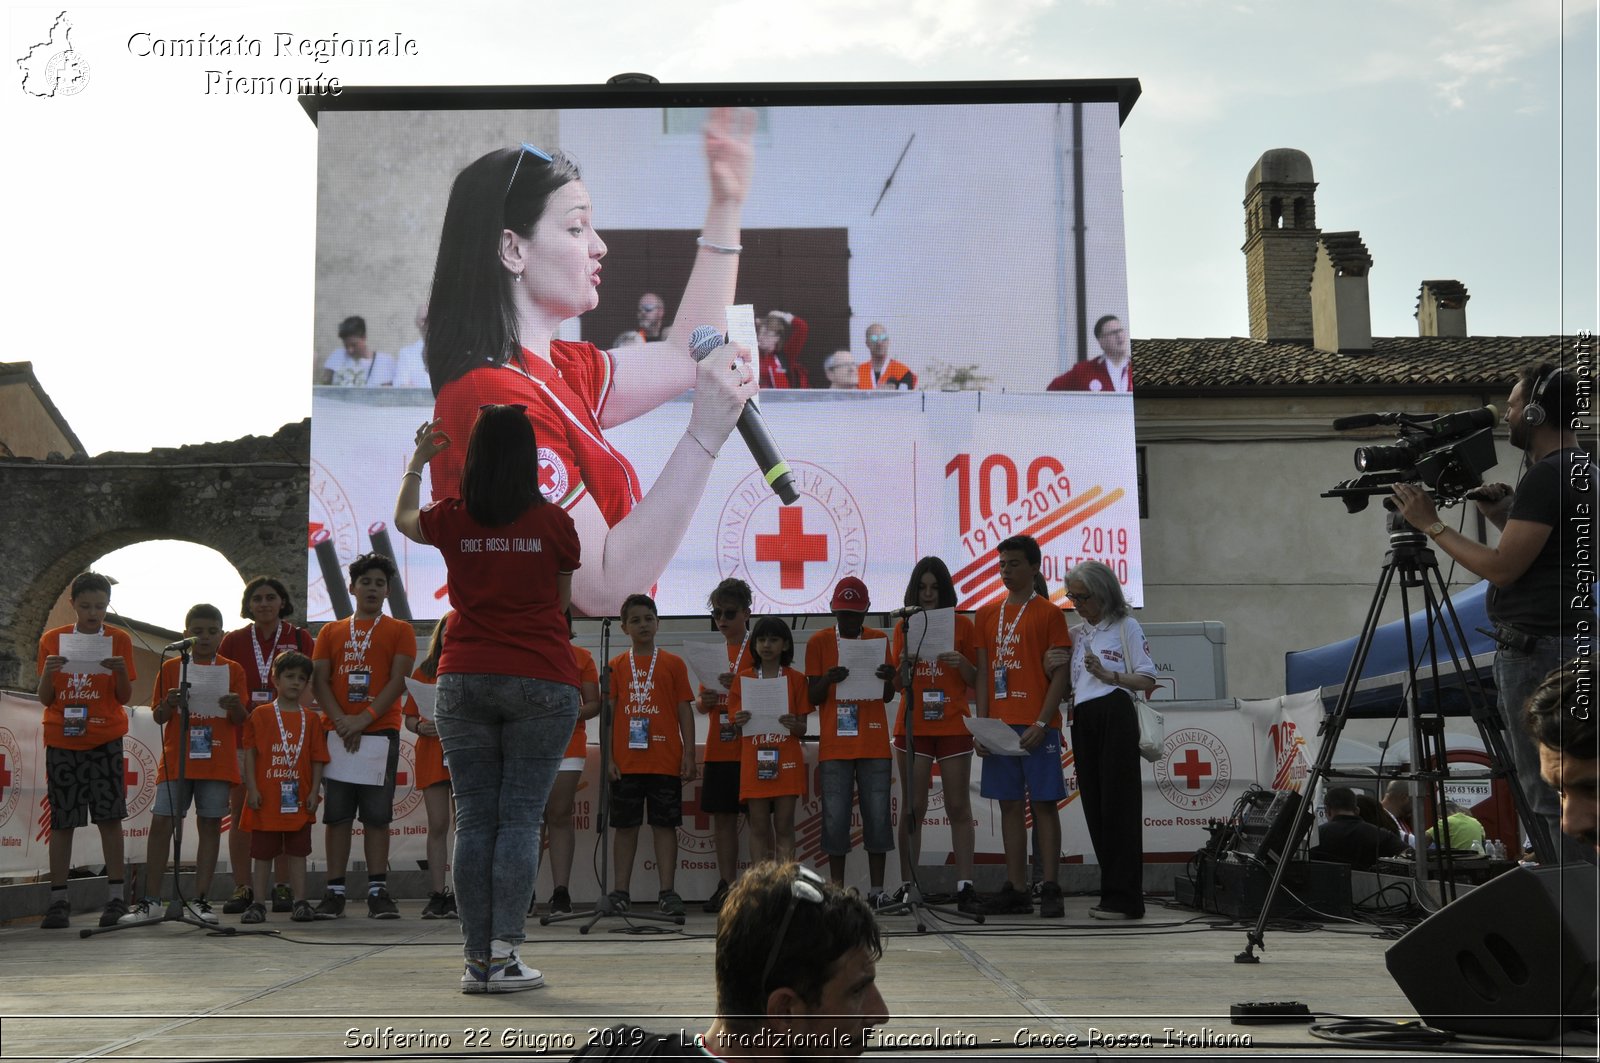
1569 760
840 369
411 364
1345 838
1464 831
881 371
1396 806
353 364
780 337
652 312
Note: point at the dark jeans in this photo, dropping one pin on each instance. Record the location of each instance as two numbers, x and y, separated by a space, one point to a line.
1105 748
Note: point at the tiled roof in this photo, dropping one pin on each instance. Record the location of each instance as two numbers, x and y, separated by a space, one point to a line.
1468 363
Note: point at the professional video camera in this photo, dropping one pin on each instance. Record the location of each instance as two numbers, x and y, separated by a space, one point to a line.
1448 453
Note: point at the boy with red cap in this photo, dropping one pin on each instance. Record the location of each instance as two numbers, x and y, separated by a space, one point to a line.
853 751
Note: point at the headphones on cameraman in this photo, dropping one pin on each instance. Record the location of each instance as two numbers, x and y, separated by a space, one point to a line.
1533 412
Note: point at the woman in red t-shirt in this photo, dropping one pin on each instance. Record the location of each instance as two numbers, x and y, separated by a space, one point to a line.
518 256
507 683
254 647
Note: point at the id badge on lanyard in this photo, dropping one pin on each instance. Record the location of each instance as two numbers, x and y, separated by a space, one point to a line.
638 733
999 681
199 742
847 720
727 730
766 764
260 697
288 796
360 685
933 705
75 720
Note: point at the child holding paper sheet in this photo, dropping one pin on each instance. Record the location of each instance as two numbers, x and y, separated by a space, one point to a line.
198 762
772 771
433 779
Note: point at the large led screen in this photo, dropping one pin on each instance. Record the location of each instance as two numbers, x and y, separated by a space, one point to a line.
920 274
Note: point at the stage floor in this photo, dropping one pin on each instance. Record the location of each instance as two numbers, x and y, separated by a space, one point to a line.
362 989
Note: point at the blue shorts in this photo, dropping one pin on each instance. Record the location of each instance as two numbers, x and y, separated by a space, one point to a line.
1036 777
210 797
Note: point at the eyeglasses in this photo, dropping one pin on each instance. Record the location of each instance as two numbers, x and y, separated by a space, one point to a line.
1086 596
649 308
527 149
877 337
725 614
805 886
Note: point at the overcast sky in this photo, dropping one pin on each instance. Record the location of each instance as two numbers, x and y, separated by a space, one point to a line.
160 239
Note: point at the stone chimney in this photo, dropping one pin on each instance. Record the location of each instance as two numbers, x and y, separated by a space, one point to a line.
1280 245
1442 309
1340 314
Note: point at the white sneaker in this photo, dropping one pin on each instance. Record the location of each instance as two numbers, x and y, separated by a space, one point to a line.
146 911
200 908
508 974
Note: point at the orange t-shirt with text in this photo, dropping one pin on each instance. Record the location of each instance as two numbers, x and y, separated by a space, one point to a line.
106 719
587 673
383 640
778 754
722 741
429 754
871 739
223 763
645 738
936 679
307 739
1020 647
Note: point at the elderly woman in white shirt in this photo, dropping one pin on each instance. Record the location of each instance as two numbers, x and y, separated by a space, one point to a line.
1111 666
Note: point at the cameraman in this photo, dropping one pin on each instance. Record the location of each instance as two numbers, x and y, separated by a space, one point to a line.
1541 614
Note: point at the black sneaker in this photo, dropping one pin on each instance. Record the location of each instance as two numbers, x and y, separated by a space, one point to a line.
670 903
256 913
450 911
436 907
1009 901
713 904
242 896
560 901
303 912
619 900
380 905
1050 903
967 901
282 898
330 907
58 916
115 909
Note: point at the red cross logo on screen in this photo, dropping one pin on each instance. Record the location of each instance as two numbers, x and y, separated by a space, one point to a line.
791 548
1192 769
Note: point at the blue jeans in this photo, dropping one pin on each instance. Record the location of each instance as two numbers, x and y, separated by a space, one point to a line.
1516 674
503 738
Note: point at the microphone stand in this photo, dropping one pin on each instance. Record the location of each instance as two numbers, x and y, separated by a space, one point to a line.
177 911
912 903
603 908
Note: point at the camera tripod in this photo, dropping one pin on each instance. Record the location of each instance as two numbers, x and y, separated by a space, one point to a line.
1412 560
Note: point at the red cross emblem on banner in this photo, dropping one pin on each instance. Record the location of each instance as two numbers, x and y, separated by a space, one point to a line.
5 772
130 777
1193 769
791 548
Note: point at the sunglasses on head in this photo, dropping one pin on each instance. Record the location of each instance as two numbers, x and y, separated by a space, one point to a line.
805 887
527 149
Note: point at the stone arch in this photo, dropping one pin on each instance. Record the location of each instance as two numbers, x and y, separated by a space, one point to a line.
246 499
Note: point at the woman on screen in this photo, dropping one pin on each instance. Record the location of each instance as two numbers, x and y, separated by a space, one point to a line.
518 256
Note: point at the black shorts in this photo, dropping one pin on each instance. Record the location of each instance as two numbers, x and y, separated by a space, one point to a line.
719 787
342 800
629 793
86 783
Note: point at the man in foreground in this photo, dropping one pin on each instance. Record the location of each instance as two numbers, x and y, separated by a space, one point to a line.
796 977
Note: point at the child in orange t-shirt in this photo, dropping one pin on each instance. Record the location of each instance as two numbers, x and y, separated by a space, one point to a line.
652 751
198 763
361 665
559 832
719 779
84 721
285 751
772 773
433 779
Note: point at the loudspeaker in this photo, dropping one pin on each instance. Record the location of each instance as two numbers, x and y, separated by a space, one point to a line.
1513 958
1310 889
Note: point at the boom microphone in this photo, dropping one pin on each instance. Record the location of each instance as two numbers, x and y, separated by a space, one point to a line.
706 340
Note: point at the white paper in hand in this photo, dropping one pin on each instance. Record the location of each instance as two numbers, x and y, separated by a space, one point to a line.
365 767
708 660
424 694
862 657
930 633
207 685
765 700
85 652
996 736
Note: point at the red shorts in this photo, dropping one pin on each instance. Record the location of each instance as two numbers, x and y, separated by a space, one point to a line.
267 844
937 747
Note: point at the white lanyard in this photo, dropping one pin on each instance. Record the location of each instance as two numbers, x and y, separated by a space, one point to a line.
637 691
627 477
1006 636
291 752
264 666
361 645
740 656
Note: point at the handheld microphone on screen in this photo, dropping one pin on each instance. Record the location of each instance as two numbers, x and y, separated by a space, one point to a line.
702 342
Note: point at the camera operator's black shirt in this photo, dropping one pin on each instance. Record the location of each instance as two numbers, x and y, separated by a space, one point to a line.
1549 599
